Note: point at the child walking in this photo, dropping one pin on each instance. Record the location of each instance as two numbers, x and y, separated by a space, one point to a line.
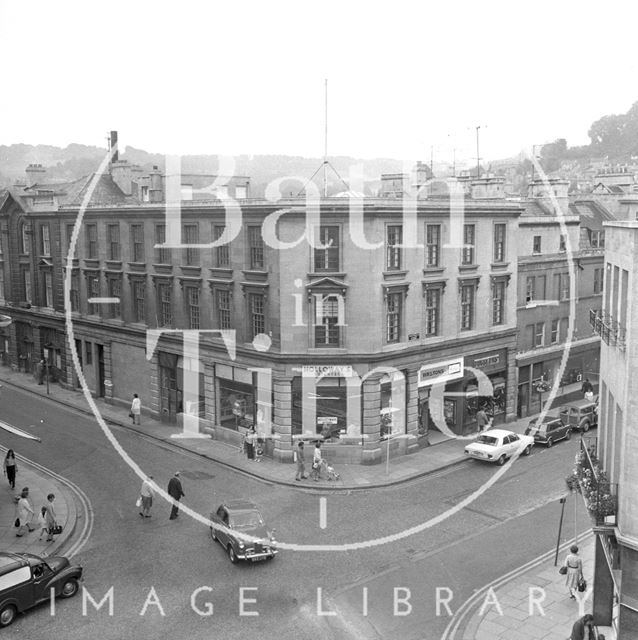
42 522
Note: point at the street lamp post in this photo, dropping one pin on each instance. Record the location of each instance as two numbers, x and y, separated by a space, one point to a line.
46 373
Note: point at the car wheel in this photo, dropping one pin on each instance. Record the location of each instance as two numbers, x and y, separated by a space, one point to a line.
69 588
527 450
212 534
501 461
550 442
585 427
7 615
231 554
568 434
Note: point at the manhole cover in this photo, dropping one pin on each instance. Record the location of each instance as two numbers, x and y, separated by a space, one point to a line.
197 475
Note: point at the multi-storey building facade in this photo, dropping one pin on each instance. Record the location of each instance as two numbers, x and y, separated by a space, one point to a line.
371 336
615 597
560 271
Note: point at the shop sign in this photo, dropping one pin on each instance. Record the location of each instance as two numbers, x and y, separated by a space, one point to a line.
487 361
441 372
327 370
327 420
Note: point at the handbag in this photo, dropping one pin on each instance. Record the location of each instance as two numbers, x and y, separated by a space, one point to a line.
17 522
138 502
130 414
56 530
582 584
563 570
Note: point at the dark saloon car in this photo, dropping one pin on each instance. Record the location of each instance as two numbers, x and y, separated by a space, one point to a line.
549 430
26 580
242 517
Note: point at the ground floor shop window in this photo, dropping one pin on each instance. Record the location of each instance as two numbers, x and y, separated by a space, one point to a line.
236 404
324 411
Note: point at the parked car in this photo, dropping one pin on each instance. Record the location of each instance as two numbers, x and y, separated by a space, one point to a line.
581 415
496 445
26 580
549 430
242 516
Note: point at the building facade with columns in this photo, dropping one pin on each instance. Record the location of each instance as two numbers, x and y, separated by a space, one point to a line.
369 329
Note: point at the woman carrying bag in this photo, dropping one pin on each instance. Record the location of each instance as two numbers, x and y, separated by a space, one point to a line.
574 571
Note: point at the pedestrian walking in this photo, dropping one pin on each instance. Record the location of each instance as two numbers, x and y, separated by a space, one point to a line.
50 517
136 409
10 468
583 628
176 492
588 390
42 522
316 462
482 420
574 570
25 514
301 467
146 494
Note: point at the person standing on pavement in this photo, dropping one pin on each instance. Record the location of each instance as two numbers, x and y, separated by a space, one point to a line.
40 371
136 409
10 468
482 420
588 389
146 493
574 570
176 492
25 513
301 467
583 628
50 517
316 462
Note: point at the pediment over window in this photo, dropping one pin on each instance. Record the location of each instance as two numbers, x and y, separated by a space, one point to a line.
44 263
326 285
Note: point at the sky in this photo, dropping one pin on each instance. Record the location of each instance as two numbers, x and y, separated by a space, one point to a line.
406 80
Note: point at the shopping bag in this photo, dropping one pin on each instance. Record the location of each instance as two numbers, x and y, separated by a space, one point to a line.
138 502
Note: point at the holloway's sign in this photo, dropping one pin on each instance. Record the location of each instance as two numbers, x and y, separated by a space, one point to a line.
441 372
327 370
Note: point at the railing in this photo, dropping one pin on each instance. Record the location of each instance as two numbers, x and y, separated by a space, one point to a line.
610 330
600 495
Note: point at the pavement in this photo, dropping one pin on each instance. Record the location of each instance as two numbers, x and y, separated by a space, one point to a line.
486 624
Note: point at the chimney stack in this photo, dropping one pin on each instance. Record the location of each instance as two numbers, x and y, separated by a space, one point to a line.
113 143
36 174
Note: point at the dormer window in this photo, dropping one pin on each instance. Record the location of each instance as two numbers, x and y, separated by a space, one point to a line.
144 193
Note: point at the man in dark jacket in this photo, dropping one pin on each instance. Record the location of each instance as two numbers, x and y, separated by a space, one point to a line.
578 630
175 491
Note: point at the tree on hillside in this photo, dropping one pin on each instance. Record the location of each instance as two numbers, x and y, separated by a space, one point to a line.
616 135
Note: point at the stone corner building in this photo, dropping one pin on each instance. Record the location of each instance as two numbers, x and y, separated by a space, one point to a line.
371 347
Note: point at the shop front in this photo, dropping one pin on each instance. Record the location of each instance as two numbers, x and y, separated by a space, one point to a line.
536 376
171 387
471 383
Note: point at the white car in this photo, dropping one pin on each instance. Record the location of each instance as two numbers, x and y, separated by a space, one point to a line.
496 445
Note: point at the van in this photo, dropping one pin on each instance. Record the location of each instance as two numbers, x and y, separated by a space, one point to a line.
581 415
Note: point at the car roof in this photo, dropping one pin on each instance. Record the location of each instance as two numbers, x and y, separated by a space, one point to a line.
10 562
499 433
545 419
240 505
581 404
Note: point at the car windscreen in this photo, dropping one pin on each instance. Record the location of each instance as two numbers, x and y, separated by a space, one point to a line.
246 519
488 440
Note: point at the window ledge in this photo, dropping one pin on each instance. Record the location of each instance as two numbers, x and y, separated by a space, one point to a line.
397 274
468 267
499 265
322 274
431 271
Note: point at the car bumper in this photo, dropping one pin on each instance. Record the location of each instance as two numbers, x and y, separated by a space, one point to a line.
255 557
479 456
